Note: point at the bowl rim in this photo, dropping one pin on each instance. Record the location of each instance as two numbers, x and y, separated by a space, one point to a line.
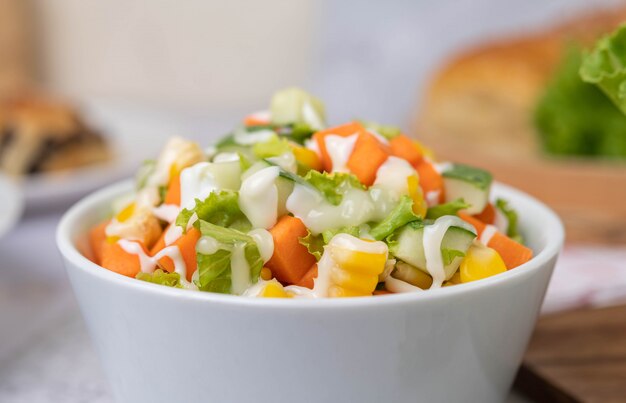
65 236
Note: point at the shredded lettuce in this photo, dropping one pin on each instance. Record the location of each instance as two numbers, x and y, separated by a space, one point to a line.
314 244
605 67
398 217
511 216
576 118
161 277
333 185
330 233
214 271
273 147
220 209
450 208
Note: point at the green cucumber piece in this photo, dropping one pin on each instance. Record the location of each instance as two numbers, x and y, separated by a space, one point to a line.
293 105
408 246
468 183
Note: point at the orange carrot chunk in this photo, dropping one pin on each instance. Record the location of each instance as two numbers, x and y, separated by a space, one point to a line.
97 238
488 215
291 260
116 259
187 246
430 179
308 279
172 196
512 252
255 119
345 130
402 146
367 156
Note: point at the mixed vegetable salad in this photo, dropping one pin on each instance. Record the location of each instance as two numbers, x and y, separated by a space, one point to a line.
285 206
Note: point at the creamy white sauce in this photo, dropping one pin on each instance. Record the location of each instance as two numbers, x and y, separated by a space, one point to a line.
166 212
264 242
258 197
313 145
300 292
226 157
501 222
311 117
172 234
147 197
443 167
239 269
207 245
339 149
149 263
286 161
487 234
392 175
433 235
432 197
245 138
196 182
394 285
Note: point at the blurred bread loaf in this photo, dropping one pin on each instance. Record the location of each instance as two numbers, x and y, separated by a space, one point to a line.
16 57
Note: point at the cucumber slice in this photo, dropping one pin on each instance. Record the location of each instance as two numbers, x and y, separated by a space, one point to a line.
294 105
412 275
285 187
227 174
408 246
467 183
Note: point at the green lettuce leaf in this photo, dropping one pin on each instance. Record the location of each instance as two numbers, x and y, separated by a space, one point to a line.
274 147
576 118
450 208
605 67
448 255
328 234
314 244
399 216
511 215
333 185
220 209
161 277
214 271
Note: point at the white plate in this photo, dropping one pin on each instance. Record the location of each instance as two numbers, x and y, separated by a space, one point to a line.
135 133
11 204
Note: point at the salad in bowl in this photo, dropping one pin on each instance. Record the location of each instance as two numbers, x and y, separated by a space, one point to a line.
288 206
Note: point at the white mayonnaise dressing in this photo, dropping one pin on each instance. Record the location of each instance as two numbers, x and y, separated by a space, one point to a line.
392 284
392 175
487 234
443 167
258 197
255 289
249 138
501 222
147 197
286 161
311 117
300 292
433 235
432 197
264 242
326 264
207 245
226 157
166 212
196 182
318 215
172 234
149 263
339 149
239 269
313 145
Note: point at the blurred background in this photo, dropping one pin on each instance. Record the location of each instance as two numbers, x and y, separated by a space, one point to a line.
97 86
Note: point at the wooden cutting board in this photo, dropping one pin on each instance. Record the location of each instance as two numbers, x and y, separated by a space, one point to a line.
577 356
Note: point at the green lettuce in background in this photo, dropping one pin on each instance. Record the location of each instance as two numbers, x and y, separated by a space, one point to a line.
576 118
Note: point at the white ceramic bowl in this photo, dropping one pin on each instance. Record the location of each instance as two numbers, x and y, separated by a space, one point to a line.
455 344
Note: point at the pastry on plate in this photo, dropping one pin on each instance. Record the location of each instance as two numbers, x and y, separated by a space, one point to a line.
39 135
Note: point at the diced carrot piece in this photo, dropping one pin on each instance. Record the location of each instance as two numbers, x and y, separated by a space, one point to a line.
430 179
367 156
512 253
308 279
345 130
255 119
403 147
187 246
291 260
116 259
488 215
97 238
172 196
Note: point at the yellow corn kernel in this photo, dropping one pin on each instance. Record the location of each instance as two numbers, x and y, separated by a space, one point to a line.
126 213
266 274
274 289
480 262
359 262
354 272
357 282
415 192
341 292
307 157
